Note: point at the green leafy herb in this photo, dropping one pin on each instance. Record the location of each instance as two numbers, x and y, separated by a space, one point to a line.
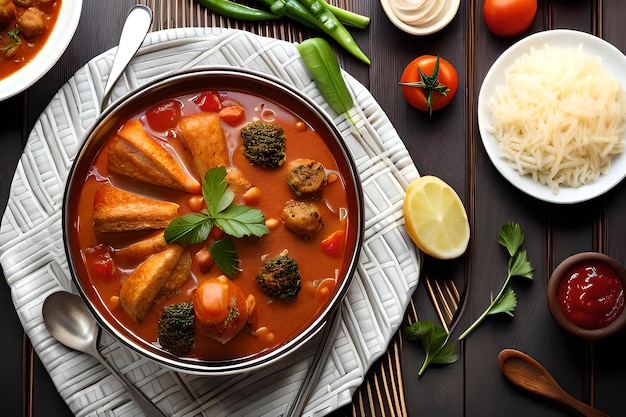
235 220
11 48
14 34
225 256
511 237
189 228
232 315
435 342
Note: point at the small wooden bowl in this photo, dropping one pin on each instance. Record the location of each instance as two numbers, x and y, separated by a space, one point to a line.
561 272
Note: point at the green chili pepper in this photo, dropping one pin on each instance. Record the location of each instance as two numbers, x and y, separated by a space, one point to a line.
296 12
277 7
347 17
316 14
328 23
321 61
239 11
302 16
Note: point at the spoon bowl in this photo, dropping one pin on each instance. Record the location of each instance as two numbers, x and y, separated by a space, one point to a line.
69 321
527 373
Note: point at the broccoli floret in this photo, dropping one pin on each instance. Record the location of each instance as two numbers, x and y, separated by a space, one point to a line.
176 328
280 278
264 144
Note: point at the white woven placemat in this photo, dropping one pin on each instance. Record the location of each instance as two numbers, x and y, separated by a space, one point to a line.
35 265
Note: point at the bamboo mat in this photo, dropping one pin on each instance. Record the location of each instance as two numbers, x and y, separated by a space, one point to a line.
382 392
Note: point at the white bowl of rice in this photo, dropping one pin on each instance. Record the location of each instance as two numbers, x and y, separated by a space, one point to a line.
552 115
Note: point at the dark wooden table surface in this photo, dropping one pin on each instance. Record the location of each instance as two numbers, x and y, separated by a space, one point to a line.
447 145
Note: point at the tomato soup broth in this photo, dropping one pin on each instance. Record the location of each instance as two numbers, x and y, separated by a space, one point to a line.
283 320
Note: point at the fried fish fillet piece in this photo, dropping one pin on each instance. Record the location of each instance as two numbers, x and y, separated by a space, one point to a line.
134 154
204 136
142 286
117 210
179 276
141 249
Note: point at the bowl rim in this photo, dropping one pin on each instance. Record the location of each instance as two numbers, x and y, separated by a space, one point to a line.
55 46
558 274
244 364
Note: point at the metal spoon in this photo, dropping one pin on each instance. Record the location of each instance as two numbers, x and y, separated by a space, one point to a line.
319 360
527 373
134 32
67 318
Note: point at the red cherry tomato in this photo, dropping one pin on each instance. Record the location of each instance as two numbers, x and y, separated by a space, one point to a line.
509 17
209 101
100 262
440 86
333 244
164 116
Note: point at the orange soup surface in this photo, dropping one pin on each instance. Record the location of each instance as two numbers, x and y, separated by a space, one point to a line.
282 320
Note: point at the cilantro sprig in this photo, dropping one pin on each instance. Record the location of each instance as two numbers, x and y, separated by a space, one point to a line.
511 237
434 341
235 220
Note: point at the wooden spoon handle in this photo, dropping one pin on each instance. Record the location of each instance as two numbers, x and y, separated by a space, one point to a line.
584 409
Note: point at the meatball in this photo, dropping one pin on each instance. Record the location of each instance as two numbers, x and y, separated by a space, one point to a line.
302 218
32 22
280 278
8 12
306 176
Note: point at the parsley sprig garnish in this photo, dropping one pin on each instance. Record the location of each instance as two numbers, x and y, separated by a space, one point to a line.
511 237
235 220
434 341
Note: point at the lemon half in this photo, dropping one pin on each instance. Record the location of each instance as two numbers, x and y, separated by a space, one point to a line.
435 218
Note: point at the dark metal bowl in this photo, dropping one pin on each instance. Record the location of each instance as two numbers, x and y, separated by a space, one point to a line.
187 82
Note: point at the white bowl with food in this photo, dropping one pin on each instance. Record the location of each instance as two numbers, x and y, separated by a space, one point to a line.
213 220
35 33
420 17
552 116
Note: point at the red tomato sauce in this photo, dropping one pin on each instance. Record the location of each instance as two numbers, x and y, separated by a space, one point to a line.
591 295
29 47
284 320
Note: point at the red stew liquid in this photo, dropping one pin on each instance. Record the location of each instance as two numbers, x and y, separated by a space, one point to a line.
317 263
591 295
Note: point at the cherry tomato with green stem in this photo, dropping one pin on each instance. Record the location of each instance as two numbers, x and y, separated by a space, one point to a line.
429 83
509 17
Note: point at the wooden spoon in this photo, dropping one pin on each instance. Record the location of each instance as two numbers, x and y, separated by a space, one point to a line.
527 373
